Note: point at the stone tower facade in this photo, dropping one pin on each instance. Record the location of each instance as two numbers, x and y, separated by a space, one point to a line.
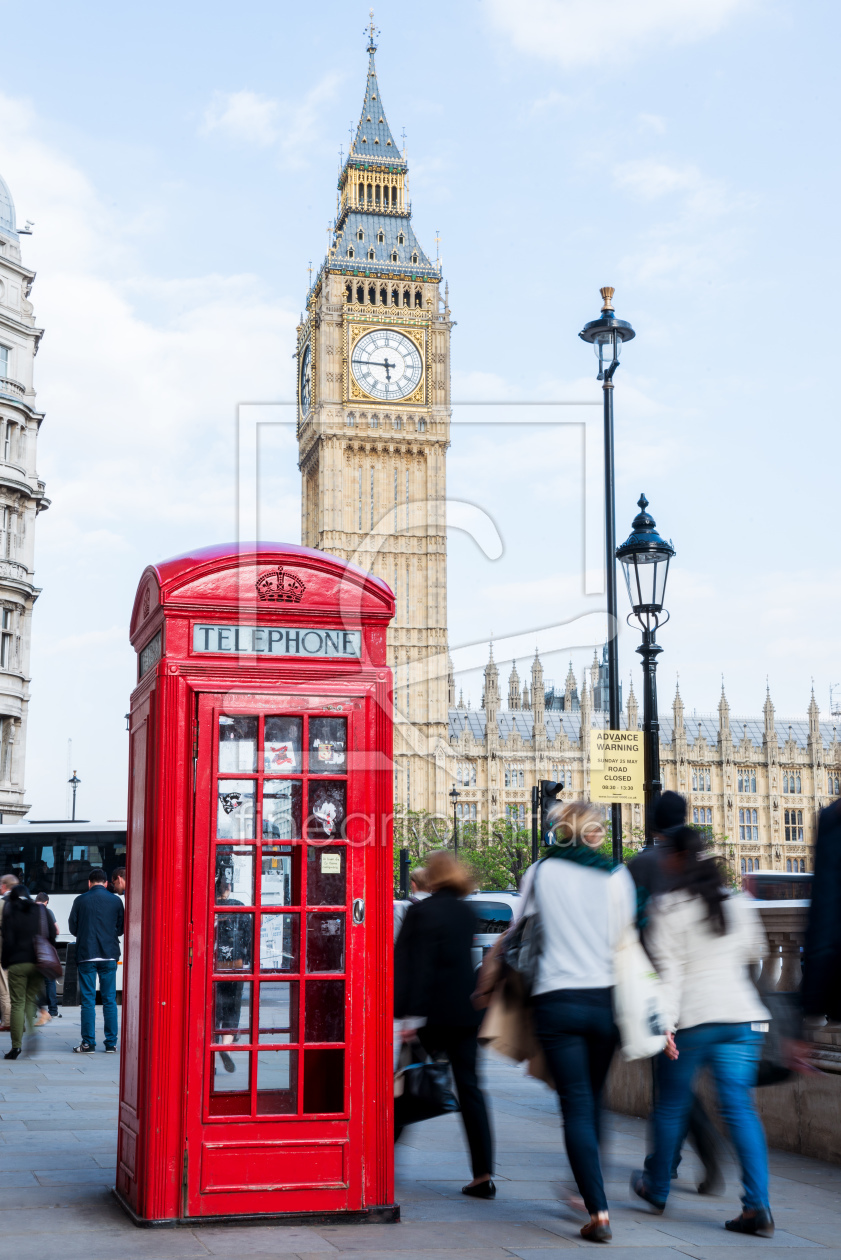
374 427
21 499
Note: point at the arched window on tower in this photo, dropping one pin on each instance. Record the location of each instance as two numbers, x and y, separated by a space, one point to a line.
370 194
394 255
383 295
415 257
381 237
394 196
350 251
377 197
418 298
360 293
371 255
348 292
744 866
372 295
361 197
401 239
395 297
407 298
360 235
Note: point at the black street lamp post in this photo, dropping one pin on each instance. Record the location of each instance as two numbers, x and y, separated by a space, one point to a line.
454 795
74 783
606 336
645 559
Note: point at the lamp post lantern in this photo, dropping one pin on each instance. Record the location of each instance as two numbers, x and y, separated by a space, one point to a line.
645 558
606 335
454 795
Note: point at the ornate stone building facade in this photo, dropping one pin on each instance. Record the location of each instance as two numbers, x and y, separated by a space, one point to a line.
21 499
374 426
757 786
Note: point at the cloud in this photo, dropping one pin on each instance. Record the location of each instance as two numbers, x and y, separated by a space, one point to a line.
583 33
651 180
292 127
242 116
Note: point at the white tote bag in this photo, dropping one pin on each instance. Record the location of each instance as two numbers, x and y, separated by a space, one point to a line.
637 1007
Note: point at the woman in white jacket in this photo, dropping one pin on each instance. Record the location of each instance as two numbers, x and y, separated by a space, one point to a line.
702 941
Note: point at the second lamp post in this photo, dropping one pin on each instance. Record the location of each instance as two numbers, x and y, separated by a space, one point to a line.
645 559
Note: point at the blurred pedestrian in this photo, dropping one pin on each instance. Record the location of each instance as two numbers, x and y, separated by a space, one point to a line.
96 920
702 941
650 874
584 904
118 881
7 882
434 980
22 922
821 992
417 891
49 999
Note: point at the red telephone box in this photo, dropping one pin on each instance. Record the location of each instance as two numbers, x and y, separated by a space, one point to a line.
256 1042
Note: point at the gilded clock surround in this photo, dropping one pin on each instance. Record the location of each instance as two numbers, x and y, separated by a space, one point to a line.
352 391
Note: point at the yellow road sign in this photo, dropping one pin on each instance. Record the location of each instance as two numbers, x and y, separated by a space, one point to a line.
616 767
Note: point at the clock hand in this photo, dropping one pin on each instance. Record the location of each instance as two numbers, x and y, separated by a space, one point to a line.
372 363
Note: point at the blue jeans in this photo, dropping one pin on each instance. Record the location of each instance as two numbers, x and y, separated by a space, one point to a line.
576 1030
107 972
731 1051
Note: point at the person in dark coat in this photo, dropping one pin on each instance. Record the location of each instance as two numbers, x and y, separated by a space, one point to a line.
23 920
434 980
821 991
649 873
96 920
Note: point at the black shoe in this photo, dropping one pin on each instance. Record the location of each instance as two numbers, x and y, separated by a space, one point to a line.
110 1049
759 1222
83 1048
227 1062
484 1190
713 1182
14 1053
639 1185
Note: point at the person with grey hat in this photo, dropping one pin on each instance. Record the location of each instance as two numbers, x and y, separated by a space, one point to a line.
648 871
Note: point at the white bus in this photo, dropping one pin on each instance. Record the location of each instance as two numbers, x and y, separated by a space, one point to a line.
56 857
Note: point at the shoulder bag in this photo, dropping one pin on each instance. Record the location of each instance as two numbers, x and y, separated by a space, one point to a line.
637 1005
522 948
46 955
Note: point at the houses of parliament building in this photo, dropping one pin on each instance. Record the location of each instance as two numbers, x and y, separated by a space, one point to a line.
374 410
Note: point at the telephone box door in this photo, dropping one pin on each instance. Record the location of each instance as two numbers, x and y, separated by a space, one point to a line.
274 1103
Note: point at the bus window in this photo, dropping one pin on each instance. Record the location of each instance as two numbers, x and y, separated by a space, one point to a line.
61 863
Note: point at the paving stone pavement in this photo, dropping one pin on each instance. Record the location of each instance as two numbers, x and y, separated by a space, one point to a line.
58 1116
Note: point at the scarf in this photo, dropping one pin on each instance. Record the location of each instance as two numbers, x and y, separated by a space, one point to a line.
582 854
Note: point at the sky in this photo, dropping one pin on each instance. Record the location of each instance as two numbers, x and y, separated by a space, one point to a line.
179 162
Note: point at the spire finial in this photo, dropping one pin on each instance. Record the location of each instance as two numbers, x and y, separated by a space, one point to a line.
607 295
372 31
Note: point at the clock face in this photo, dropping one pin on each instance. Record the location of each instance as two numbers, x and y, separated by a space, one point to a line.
306 379
386 364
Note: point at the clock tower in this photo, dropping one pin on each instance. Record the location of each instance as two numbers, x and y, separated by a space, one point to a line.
373 430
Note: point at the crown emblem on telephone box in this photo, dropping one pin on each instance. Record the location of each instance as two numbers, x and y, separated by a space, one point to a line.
279 586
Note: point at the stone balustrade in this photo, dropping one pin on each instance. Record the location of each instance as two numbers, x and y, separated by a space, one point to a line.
13 389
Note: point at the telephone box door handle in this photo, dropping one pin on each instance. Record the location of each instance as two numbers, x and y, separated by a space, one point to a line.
359 910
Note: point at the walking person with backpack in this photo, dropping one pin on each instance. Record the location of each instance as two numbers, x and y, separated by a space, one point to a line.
96 920
584 905
23 922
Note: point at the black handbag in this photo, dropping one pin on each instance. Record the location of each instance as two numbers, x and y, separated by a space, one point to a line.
427 1091
522 948
786 1026
46 955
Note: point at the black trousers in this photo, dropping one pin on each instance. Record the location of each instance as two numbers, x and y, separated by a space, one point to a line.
578 1035
460 1045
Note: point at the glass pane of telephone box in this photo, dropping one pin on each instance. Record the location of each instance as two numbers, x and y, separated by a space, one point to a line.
282 745
279 876
237 745
324 1012
328 745
326 876
232 1011
282 809
324 1080
325 942
234 876
279 942
277 1082
326 811
278 1012
232 942
235 809
230 1085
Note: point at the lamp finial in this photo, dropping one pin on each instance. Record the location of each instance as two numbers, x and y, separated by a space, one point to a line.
607 296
